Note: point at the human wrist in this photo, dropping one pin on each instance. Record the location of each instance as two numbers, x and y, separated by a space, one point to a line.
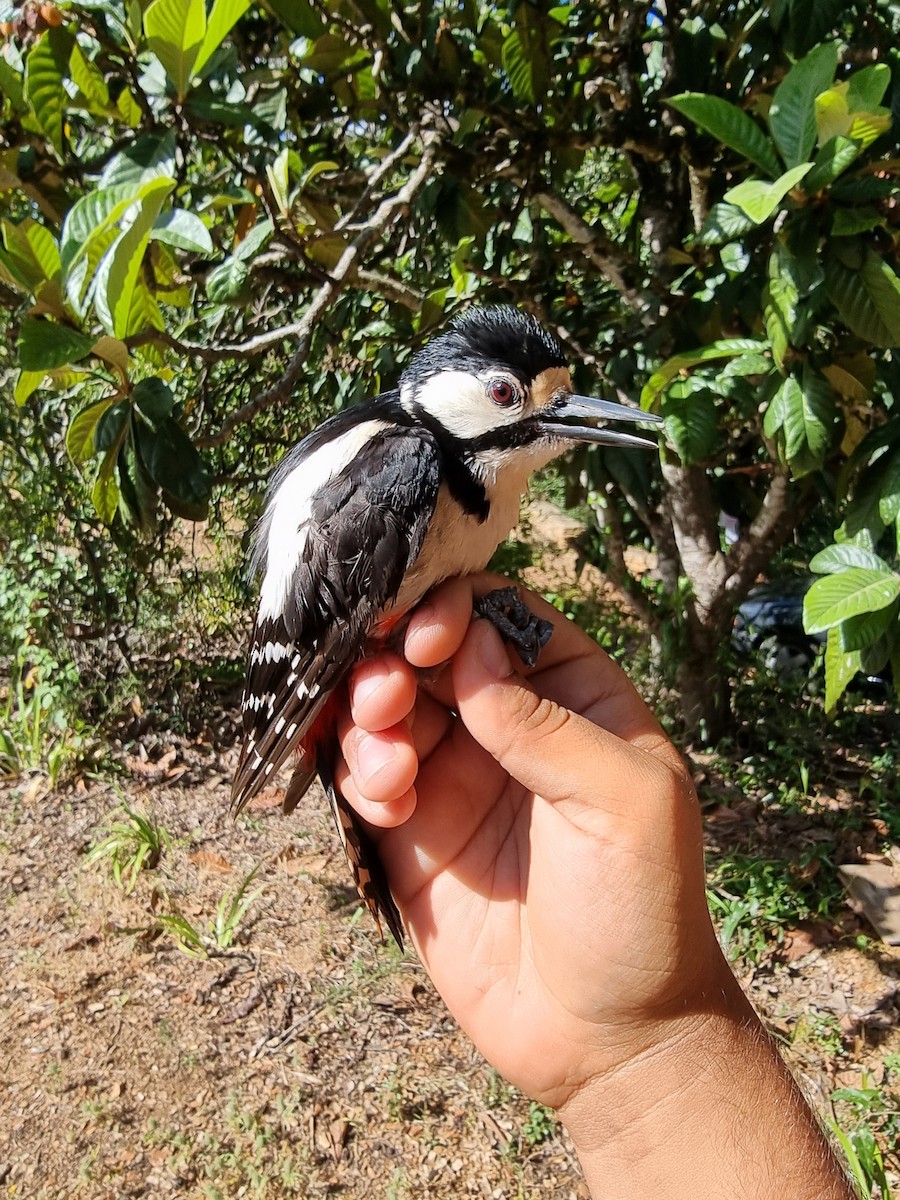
707 1110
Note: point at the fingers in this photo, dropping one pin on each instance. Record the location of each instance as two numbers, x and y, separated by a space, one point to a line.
382 692
552 750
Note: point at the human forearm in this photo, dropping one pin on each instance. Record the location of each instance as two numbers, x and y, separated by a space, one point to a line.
711 1112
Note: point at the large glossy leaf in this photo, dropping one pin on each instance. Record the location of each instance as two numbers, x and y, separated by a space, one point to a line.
867 297
44 345
89 81
863 631
691 424
46 67
31 255
80 435
184 230
832 160
780 298
173 462
98 210
731 126
150 156
105 492
760 200
834 598
118 272
723 223
837 558
840 668
223 16
153 399
664 374
225 281
175 31
792 116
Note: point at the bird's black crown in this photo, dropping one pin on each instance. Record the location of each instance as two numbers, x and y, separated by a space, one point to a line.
485 337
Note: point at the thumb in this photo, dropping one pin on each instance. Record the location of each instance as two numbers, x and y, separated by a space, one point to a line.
555 752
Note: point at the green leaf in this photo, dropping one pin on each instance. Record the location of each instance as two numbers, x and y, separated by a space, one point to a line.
862 632
80 442
117 274
846 222
835 559
780 297
223 16
664 374
27 384
44 345
691 424
173 462
815 417
759 200
184 230
225 281
111 425
792 117
105 492
150 156
723 223
866 88
731 126
868 298
840 669
518 68
832 160
32 256
89 81
12 79
785 400
153 399
175 31
46 67
834 598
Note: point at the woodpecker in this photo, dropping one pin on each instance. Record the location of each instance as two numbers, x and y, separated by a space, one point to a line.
377 506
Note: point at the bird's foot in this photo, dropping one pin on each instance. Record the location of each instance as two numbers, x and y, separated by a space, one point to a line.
515 622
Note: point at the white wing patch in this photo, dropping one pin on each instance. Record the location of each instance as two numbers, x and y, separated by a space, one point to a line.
291 510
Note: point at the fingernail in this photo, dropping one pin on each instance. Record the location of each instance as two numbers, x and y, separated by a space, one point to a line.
373 754
492 652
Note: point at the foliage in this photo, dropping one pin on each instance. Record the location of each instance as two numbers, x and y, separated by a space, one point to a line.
131 844
872 1113
222 930
212 209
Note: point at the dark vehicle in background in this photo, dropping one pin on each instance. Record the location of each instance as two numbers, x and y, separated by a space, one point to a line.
769 626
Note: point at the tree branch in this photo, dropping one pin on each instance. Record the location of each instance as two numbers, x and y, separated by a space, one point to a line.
331 289
609 259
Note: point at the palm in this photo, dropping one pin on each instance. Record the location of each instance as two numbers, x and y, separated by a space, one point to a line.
503 892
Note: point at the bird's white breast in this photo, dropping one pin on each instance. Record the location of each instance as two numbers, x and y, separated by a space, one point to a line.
459 544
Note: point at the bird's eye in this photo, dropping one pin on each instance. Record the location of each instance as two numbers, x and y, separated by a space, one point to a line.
502 392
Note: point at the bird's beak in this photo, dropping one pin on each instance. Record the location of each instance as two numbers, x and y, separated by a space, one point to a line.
564 419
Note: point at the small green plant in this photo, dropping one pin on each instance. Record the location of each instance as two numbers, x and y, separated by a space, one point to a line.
221 932
540 1125
133 843
867 1118
753 900
38 730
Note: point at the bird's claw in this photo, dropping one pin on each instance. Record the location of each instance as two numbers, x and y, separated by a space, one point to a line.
515 622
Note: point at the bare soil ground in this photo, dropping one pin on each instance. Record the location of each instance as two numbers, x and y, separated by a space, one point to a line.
307 1059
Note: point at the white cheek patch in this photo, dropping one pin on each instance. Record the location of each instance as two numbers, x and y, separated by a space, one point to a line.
459 402
291 511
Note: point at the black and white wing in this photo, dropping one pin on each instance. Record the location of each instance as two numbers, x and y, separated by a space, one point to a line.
344 526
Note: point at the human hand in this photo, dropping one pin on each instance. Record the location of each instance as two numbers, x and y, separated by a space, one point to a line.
542 840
